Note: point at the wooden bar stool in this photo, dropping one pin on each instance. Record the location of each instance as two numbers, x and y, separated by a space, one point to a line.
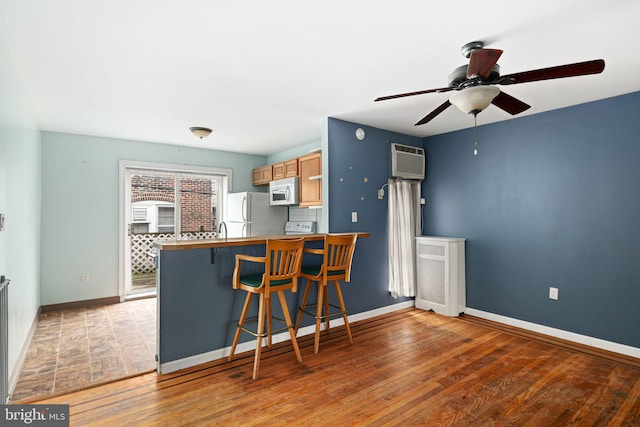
282 267
337 256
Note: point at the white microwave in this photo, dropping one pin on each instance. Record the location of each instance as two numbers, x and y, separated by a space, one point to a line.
283 192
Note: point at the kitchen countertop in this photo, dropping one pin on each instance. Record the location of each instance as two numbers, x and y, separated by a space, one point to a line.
176 245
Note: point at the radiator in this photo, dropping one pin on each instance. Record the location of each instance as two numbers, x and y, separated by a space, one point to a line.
4 340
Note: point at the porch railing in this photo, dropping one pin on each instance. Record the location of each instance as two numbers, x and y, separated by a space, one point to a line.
143 253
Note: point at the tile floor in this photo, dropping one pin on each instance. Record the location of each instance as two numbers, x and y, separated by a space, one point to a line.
73 349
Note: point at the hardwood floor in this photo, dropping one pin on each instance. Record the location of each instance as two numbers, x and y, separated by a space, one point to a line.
405 368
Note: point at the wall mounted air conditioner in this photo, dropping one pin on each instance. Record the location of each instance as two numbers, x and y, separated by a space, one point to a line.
407 162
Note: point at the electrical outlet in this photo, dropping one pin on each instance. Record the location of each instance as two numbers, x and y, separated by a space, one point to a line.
85 278
553 293
354 216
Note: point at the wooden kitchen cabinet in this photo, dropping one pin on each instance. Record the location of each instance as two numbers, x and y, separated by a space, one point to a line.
262 175
310 168
278 170
291 168
286 169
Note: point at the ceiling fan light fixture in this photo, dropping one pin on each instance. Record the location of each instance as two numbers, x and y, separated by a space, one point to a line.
474 99
200 132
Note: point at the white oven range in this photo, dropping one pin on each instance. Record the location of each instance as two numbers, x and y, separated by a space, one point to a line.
300 227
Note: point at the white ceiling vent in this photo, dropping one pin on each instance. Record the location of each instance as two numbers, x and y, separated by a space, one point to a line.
407 162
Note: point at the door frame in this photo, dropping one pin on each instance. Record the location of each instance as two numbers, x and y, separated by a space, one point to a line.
125 195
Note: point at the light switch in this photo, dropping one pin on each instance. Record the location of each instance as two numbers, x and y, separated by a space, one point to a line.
354 216
1 222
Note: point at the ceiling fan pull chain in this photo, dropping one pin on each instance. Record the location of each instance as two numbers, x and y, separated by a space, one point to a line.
475 135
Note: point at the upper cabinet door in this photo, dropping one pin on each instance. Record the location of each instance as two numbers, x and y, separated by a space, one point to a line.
278 170
310 167
262 175
291 168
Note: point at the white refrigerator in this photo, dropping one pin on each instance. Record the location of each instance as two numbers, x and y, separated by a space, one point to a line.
249 214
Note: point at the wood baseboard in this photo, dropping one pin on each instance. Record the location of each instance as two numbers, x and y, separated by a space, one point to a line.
80 304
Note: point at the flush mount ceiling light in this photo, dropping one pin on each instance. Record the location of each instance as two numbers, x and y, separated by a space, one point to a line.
474 99
200 132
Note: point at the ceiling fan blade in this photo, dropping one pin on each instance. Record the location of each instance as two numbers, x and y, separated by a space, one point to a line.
510 104
420 92
570 70
446 104
482 61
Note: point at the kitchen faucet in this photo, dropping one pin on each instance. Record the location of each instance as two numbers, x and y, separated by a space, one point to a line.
220 229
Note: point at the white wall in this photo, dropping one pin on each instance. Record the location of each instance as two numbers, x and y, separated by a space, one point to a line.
80 206
20 203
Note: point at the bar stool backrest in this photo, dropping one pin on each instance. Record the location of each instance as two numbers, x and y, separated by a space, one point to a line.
284 258
338 254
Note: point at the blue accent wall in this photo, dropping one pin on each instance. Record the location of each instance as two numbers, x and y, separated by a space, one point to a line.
357 169
552 199
198 306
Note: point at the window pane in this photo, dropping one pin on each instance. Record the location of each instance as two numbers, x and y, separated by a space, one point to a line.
165 217
140 228
197 203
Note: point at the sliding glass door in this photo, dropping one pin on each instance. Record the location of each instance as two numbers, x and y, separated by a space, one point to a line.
164 202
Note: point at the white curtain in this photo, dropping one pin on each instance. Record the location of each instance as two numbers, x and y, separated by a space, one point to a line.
404 224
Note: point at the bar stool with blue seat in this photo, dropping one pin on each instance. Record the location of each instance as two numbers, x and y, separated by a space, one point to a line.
336 265
281 269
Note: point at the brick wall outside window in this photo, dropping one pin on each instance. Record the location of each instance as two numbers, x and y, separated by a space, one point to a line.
195 205
197 196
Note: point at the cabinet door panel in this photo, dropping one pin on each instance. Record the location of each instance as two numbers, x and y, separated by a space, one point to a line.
267 174
310 189
262 175
291 168
278 170
257 176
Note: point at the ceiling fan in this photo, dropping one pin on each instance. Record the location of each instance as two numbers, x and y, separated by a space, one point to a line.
475 83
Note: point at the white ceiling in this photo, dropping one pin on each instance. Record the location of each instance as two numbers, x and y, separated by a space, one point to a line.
263 74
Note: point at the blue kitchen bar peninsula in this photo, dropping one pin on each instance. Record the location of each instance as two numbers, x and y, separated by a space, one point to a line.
197 306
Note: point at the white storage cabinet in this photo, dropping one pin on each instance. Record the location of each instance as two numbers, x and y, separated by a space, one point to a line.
440 275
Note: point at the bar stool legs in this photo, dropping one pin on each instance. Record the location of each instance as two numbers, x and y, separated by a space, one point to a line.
243 317
290 327
322 311
264 316
281 270
343 309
